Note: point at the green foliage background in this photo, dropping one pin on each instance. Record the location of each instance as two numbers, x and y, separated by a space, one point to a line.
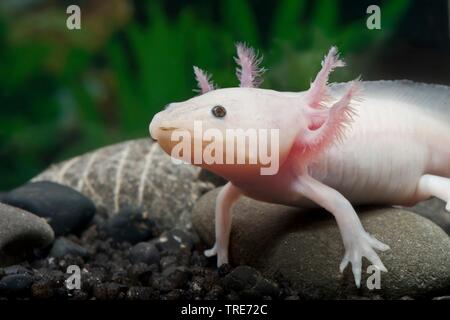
66 92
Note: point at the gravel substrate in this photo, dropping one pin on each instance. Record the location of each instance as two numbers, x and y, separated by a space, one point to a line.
167 266
157 265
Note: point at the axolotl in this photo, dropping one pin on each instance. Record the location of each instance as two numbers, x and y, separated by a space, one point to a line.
360 142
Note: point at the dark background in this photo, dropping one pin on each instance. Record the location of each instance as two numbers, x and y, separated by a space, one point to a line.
64 92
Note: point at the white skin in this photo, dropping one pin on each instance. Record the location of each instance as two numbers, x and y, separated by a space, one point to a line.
381 157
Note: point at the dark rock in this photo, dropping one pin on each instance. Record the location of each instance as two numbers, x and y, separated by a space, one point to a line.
42 289
102 259
134 173
144 252
15 285
434 209
265 287
211 177
16 269
168 261
141 273
120 276
242 277
199 259
140 293
92 277
173 241
305 246
224 269
103 247
186 239
130 225
79 295
172 278
196 285
62 292
62 247
215 293
232 296
108 291
174 295
54 277
65 209
21 233
67 260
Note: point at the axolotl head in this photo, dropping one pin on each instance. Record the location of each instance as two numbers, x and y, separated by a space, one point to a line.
229 131
244 131
232 131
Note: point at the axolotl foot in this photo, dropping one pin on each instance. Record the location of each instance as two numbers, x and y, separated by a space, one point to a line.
222 255
211 252
359 247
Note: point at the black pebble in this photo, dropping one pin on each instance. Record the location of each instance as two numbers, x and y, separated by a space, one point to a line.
66 210
63 246
249 283
173 241
224 269
266 287
140 293
242 277
108 291
16 269
144 252
141 273
130 225
172 278
168 261
208 176
42 289
16 285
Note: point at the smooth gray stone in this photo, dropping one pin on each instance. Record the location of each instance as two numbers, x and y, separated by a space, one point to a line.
306 247
133 174
20 233
65 209
434 209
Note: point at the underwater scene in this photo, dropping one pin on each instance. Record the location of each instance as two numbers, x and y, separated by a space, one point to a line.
213 153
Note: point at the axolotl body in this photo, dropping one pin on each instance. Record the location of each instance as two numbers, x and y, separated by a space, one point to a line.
376 142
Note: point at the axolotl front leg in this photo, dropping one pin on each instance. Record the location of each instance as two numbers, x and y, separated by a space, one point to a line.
227 196
357 242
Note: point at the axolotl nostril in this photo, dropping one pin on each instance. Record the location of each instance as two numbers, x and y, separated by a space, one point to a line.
376 142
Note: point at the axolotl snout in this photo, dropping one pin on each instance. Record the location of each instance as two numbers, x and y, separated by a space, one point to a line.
378 142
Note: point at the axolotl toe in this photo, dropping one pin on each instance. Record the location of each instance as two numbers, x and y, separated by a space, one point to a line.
377 142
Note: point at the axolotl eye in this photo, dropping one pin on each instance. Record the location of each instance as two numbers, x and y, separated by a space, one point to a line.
219 111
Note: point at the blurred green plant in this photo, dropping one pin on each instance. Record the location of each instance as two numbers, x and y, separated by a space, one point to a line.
63 93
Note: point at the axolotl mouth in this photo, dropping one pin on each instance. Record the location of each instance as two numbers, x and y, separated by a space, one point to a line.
156 128
162 133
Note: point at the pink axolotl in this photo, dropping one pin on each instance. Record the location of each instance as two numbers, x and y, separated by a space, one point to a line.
377 142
